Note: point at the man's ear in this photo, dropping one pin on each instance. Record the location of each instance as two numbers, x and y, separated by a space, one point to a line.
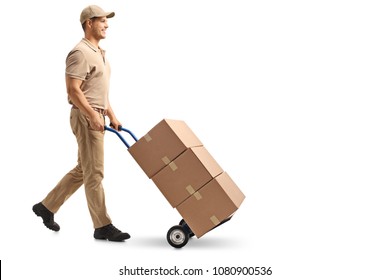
88 23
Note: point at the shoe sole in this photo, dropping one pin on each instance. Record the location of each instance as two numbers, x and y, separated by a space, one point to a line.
114 240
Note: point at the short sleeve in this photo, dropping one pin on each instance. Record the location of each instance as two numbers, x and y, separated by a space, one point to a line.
76 65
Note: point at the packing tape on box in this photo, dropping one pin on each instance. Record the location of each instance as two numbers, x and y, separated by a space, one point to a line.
214 220
190 189
198 196
147 137
173 166
165 160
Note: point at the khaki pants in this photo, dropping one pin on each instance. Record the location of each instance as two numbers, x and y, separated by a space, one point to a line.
88 171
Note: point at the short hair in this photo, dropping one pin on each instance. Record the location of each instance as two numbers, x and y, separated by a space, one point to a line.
85 22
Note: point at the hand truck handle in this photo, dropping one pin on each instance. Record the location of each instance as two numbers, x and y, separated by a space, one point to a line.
120 136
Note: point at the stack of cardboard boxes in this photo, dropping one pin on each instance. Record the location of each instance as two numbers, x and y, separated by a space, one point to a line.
187 175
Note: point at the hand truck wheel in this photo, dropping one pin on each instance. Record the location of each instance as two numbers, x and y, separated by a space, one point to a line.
177 237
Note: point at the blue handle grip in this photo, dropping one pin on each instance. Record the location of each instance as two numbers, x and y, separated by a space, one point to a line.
120 136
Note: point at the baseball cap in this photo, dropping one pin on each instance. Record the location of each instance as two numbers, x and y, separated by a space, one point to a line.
94 11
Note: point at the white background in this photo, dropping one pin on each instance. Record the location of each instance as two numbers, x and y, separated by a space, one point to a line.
290 97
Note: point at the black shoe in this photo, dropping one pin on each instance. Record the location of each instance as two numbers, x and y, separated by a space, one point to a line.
110 233
47 216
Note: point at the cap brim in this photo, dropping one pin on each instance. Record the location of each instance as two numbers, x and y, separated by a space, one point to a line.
107 15
110 15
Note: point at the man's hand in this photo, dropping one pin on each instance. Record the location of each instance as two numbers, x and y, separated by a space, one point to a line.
96 122
115 124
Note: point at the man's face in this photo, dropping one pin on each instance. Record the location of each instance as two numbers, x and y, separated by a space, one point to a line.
99 27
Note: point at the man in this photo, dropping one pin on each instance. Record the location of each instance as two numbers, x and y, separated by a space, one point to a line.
87 83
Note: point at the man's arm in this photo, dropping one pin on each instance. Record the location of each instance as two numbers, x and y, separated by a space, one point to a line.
113 120
73 87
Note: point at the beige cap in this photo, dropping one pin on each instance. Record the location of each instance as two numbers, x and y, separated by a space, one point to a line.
94 11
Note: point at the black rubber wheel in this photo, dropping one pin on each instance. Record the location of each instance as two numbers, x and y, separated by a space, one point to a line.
177 237
187 228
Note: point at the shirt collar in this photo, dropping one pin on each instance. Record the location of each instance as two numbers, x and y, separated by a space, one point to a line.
89 44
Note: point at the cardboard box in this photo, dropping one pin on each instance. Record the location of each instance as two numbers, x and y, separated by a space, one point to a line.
212 204
186 174
162 144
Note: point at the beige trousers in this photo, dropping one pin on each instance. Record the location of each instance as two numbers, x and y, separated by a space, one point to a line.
88 171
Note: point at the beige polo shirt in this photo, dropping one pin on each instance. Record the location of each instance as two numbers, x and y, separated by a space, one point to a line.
88 63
